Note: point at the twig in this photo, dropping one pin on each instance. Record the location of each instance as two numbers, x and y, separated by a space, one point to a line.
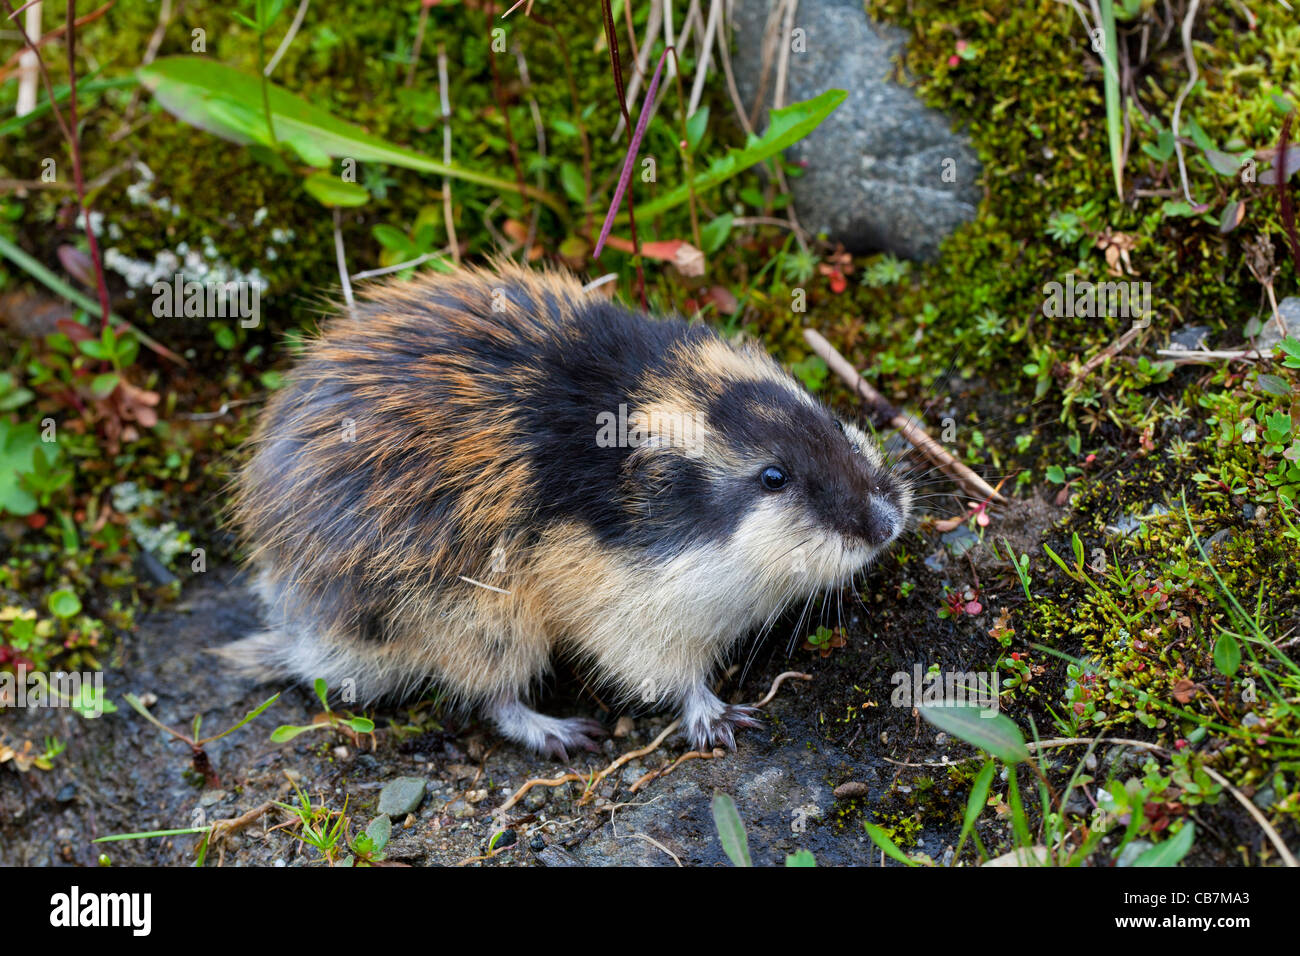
371 273
907 426
419 42
783 58
630 755
1287 856
54 34
642 61
616 65
1209 357
724 55
1188 22
293 32
342 259
540 132
1110 351
776 685
29 78
448 218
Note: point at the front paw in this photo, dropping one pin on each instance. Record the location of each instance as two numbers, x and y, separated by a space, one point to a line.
711 727
571 733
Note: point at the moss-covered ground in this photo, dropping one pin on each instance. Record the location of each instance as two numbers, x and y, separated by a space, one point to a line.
1168 608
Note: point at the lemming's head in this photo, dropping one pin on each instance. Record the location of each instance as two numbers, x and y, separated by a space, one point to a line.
784 488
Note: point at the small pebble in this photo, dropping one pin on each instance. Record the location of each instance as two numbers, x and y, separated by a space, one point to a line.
853 788
402 796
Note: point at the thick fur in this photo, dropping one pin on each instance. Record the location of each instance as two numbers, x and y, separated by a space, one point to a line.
437 496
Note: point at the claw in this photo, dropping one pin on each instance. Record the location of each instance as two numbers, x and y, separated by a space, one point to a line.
719 727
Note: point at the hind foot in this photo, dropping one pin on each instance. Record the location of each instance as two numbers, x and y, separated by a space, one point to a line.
548 736
708 722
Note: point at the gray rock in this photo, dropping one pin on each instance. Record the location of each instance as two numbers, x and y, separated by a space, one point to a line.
401 796
1271 334
1189 337
883 172
557 856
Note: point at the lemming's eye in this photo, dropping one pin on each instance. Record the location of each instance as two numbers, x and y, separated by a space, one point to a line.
772 478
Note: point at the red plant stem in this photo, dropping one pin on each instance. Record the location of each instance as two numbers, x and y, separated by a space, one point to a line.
69 133
611 40
100 284
499 95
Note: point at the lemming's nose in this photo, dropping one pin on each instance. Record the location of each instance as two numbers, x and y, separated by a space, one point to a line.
878 520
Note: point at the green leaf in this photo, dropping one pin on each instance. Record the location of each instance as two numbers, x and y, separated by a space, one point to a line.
995 734
286 732
1227 654
226 102
393 239
1056 474
380 830
881 839
1225 164
329 190
977 800
1274 385
322 691
575 186
362 725
731 832
1291 349
715 233
696 126
102 385
64 603
785 127
1163 148
1171 851
1110 79
19 446
801 858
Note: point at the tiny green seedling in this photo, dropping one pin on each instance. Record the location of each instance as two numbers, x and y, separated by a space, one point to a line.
200 762
734 840
344 723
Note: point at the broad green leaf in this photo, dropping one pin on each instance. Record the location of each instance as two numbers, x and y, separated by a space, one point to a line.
1227 654
881 839
715 233
575 186
801 858
286 732
228 103
1170 852
64 603
329 190
977 800
731 832
1111 82
785 128
995 734
380 831
19 446
695 127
